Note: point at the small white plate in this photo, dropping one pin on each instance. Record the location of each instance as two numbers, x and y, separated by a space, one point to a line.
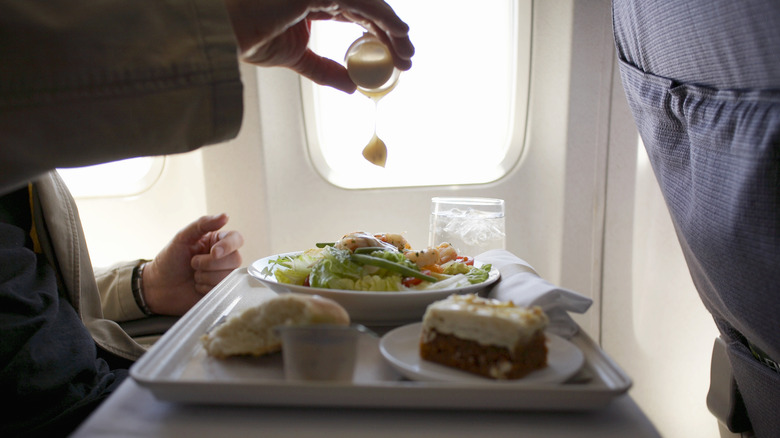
401 348
370 308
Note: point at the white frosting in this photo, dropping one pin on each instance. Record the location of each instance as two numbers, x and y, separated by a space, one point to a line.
487 321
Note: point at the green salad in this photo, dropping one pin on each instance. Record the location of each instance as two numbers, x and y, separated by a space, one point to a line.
374 269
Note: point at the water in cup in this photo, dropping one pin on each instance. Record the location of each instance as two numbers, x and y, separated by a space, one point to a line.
471 225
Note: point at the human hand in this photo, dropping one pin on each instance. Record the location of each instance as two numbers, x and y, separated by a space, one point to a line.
276 33
194 261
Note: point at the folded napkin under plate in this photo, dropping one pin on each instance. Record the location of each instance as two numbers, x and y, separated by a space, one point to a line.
521 284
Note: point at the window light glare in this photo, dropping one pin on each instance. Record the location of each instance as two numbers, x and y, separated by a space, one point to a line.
118 178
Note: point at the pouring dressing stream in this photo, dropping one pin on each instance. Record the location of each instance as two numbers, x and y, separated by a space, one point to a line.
370 66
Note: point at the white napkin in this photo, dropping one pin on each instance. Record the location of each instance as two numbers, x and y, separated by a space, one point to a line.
521 284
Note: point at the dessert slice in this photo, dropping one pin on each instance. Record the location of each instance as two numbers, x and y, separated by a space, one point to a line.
491 338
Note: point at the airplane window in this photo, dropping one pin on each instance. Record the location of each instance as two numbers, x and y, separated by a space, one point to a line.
114 179
457 117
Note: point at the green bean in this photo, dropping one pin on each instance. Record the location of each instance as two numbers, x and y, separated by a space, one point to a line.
370 249
391 266
324 244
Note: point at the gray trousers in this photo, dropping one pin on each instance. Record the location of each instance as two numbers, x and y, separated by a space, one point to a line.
702 79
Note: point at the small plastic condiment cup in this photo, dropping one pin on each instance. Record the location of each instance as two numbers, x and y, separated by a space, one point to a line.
370 66
321 352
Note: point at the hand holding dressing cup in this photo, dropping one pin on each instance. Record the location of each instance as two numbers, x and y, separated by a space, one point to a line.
370 66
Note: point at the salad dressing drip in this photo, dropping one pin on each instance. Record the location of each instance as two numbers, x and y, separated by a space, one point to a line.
370 66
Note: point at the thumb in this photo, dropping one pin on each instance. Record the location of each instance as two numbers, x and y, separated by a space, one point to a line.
324 71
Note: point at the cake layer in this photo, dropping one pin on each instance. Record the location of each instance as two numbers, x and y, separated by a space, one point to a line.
488 361
485 321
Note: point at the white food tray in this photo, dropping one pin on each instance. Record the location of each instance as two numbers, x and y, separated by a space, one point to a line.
177 369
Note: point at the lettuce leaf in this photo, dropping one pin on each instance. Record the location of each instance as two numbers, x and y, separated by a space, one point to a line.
473 273
294 270
391 283
478 274
333 269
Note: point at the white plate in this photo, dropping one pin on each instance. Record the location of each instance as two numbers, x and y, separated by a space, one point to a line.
401 348
370 308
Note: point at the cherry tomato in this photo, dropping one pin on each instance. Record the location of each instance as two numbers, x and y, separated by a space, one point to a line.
414 281
466 259
411 281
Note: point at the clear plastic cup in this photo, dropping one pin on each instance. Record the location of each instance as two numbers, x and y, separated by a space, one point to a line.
319 352
471 225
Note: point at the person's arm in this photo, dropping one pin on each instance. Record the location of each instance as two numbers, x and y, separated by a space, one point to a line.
116 294
83 82
196 259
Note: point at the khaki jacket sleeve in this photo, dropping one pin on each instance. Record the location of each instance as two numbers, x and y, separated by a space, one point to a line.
62 240
116 295
84 81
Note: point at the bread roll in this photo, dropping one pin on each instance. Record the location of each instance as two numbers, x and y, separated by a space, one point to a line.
251 333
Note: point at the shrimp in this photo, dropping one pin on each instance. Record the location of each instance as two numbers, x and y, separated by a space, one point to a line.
396 240
447 253
432 256
361 239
